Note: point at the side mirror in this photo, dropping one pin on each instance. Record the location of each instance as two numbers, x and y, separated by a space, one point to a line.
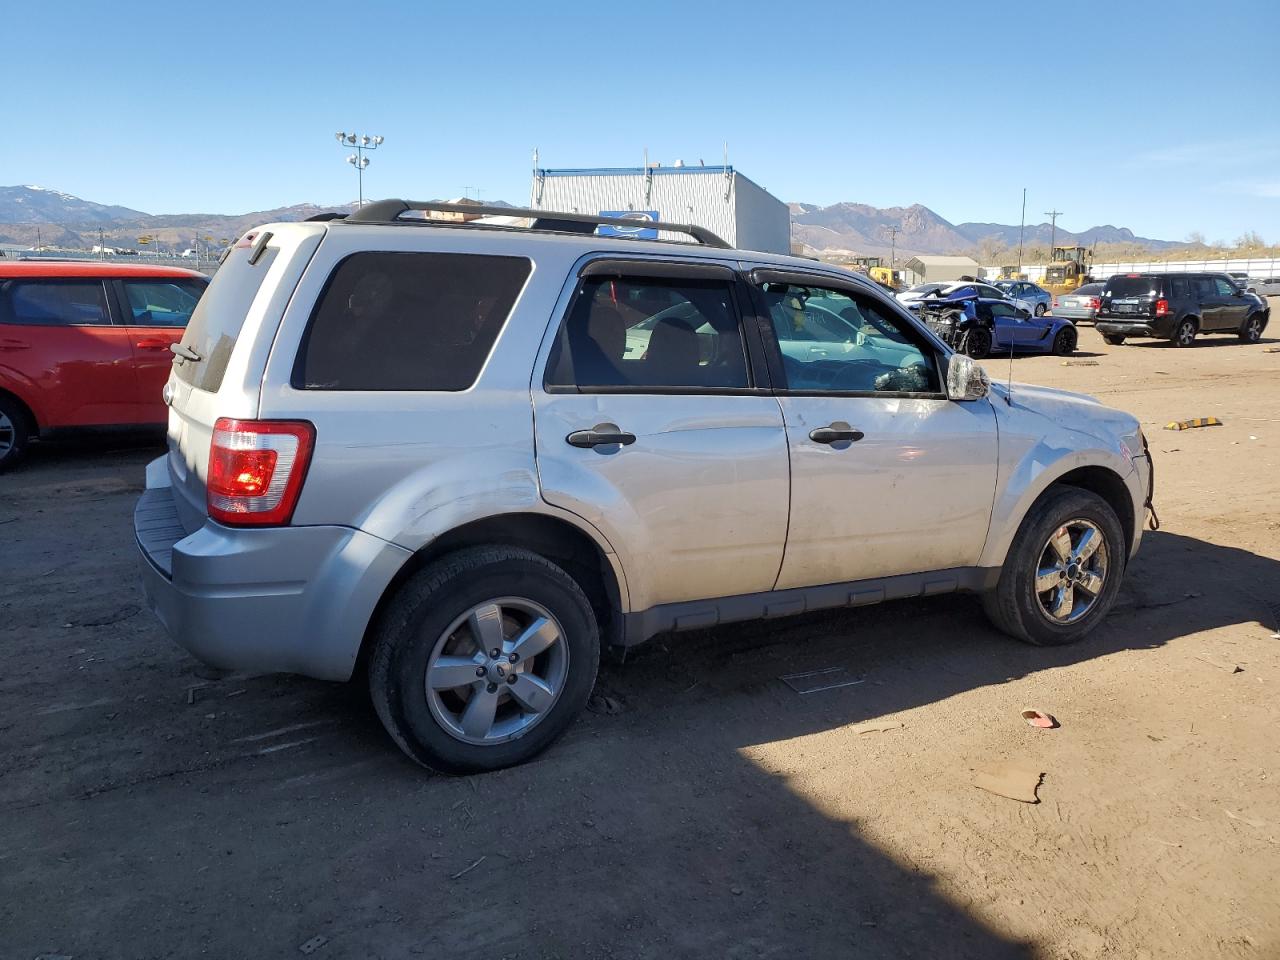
966 380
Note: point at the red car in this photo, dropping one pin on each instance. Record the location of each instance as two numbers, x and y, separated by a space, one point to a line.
86 344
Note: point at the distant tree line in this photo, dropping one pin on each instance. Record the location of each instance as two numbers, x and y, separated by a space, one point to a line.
1248 245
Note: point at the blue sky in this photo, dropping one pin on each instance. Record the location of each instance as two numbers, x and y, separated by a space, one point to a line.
1157 116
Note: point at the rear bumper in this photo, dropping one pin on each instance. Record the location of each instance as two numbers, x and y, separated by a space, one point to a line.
1159 327
280 599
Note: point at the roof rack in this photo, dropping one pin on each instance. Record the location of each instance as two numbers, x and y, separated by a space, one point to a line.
390 211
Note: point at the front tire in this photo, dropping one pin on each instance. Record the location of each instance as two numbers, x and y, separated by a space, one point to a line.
1251 330
977 343
1114 339
1063 570
15 434
1040 311
482 659
1064 344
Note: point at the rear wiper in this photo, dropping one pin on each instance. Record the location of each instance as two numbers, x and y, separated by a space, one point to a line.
186 353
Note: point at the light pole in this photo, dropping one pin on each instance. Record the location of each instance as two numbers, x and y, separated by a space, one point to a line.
358 159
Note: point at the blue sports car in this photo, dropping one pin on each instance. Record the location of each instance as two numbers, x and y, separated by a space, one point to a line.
981 327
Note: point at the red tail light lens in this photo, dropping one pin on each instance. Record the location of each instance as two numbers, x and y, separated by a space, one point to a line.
1094 303
256 469
1162 307
1055 302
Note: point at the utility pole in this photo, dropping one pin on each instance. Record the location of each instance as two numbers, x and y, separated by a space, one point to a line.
1053 216
893 246
102 250
1022 225
362 143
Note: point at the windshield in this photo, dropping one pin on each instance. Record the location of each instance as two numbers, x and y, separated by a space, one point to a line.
925 288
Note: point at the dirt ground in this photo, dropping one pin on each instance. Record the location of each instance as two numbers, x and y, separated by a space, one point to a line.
148 812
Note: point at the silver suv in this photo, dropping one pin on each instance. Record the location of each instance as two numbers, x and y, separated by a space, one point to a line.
458 458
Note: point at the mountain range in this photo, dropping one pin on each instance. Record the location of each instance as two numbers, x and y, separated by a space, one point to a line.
859 228
29 214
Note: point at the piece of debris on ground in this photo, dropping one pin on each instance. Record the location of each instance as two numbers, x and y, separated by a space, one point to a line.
1015 779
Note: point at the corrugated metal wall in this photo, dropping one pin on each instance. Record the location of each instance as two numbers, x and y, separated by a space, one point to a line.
718 198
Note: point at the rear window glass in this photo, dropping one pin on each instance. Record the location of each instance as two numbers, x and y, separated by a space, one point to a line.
408 321
1090 289
218 317
1132 286
50 303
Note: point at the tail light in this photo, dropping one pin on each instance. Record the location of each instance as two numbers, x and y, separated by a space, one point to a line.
256 469
1162 307
1055 303
1094 303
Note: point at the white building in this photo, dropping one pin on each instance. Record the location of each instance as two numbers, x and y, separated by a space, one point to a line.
718 198
935 269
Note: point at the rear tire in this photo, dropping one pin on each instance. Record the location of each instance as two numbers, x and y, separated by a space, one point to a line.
1184 334
432 628
1039 311
1115 339
1018 608
15 432
1064 344
1251 330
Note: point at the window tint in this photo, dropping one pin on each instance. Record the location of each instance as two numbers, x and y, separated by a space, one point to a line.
219 315
162 303
1225 287
1205 287
835 341
1004 310
1120 287
643 332
1179 287
408 321
54 302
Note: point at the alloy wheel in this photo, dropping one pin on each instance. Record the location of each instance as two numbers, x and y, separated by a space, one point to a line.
1252 330
1072 572
8 434
1186 333
497 671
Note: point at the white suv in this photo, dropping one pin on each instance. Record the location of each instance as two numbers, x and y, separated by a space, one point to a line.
459 457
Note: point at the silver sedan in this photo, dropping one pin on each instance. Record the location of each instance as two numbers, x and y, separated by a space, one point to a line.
1080 304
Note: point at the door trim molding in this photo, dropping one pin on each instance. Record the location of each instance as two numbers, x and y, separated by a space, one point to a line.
773 604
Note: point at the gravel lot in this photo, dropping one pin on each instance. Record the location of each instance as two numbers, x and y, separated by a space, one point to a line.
713 812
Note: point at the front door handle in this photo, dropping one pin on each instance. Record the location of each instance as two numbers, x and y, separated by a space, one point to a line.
152 343
836 433
600 435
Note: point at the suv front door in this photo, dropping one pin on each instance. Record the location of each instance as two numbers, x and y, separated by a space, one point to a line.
888 476
1233 305
649 424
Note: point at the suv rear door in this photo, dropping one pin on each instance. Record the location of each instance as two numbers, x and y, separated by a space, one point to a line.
243 303
62 353
651 423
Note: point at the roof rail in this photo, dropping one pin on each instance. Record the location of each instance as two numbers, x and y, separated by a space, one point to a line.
390 211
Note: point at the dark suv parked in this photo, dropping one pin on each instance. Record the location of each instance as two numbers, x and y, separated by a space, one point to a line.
1177 306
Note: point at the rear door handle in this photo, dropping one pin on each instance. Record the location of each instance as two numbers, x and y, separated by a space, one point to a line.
836 433
600 435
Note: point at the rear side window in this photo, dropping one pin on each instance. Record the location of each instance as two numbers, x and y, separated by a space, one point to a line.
1120 287
162 302
1205 287
52 303
636 334
219 315
408 321
1179 287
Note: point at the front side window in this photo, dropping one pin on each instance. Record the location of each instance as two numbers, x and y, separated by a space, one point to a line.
834 341
408 321
639 333
1205 287
50 303
1005 310
162 303
1225 287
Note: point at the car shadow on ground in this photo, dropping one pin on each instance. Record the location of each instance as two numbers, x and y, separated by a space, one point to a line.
649 831
1204 340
